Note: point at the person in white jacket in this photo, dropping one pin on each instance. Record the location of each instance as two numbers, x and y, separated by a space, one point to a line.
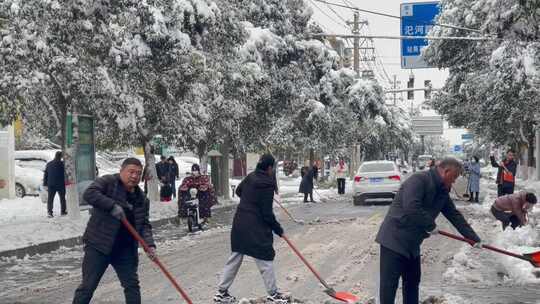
340 171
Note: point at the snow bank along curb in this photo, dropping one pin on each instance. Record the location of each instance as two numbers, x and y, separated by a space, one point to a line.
73 241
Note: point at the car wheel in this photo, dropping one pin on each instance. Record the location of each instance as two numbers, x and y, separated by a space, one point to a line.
19 190
358 201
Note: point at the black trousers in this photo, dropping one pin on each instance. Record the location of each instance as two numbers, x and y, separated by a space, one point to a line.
506 218
124 260
393 267
504 189
341 185
50 199
310 197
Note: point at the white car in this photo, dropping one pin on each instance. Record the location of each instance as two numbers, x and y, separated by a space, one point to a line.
376 181
28 181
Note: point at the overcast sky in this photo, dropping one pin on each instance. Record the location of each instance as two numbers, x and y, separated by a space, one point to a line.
389 50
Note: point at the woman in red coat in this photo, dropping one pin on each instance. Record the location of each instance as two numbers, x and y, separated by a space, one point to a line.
205 193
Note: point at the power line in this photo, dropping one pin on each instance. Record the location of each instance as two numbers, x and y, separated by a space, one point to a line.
327 15
406 37
397 17
335 13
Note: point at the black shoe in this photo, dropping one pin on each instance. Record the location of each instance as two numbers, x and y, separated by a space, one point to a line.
224 297
63 214
278 298
50 215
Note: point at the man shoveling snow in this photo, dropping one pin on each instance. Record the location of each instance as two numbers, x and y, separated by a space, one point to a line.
512 209
251 232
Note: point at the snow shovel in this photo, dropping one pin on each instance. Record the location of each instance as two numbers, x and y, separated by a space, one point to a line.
338 295
136 235
533 258
323 199
288 213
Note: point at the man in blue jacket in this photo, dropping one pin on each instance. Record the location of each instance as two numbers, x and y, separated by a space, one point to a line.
54 181
410 220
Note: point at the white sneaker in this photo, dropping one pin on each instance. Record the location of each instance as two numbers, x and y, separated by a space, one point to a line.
224 297
278 298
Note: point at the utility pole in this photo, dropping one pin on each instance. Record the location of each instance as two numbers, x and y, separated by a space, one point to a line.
356 31
395 88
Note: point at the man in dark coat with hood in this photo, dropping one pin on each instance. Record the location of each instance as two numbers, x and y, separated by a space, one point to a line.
54 180
106 240
410 220
251 232
506 173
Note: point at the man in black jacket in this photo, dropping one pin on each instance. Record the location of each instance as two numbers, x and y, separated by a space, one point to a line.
410 220
54 181
505 174
107 241
251 232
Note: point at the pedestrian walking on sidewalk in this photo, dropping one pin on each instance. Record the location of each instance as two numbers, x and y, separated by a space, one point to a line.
106 240
410 220
306 185
54 181
251 232
341 171
512 209
506 173
474 180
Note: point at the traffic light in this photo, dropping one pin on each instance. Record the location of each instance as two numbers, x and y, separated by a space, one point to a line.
410 85
427 89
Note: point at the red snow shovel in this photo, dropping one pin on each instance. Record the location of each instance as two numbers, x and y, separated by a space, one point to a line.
533 258
136 235
288 213
338 295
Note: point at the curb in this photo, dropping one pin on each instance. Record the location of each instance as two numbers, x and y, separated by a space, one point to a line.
74 241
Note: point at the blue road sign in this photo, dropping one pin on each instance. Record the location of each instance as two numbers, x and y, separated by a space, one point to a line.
458 149
467 136
417 19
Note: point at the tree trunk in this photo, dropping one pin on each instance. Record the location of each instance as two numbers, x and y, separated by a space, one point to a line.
152 182
224 169
311 157
70 158
203 157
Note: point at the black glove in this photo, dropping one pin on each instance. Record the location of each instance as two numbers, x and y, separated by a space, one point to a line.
279 231
118 212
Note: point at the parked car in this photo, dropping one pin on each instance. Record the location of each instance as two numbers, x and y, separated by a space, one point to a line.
28 181
376 181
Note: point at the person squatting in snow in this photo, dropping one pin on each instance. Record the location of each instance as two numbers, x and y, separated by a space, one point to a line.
512 209
251 232
410 220
106 240
205 194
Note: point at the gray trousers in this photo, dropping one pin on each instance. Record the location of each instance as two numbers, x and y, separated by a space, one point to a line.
266 268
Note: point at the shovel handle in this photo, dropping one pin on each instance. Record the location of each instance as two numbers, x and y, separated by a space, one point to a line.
307 263
146 248
285 210
471 242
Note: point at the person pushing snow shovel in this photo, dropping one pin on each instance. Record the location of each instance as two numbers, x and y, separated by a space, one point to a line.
108 242
512 209
410 220
251 232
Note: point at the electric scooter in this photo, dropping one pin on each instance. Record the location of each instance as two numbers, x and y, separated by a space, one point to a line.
193 214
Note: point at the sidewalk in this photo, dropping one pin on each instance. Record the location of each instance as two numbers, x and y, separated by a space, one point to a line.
26 230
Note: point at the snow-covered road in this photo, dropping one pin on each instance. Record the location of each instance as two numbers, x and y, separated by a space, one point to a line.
337 239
